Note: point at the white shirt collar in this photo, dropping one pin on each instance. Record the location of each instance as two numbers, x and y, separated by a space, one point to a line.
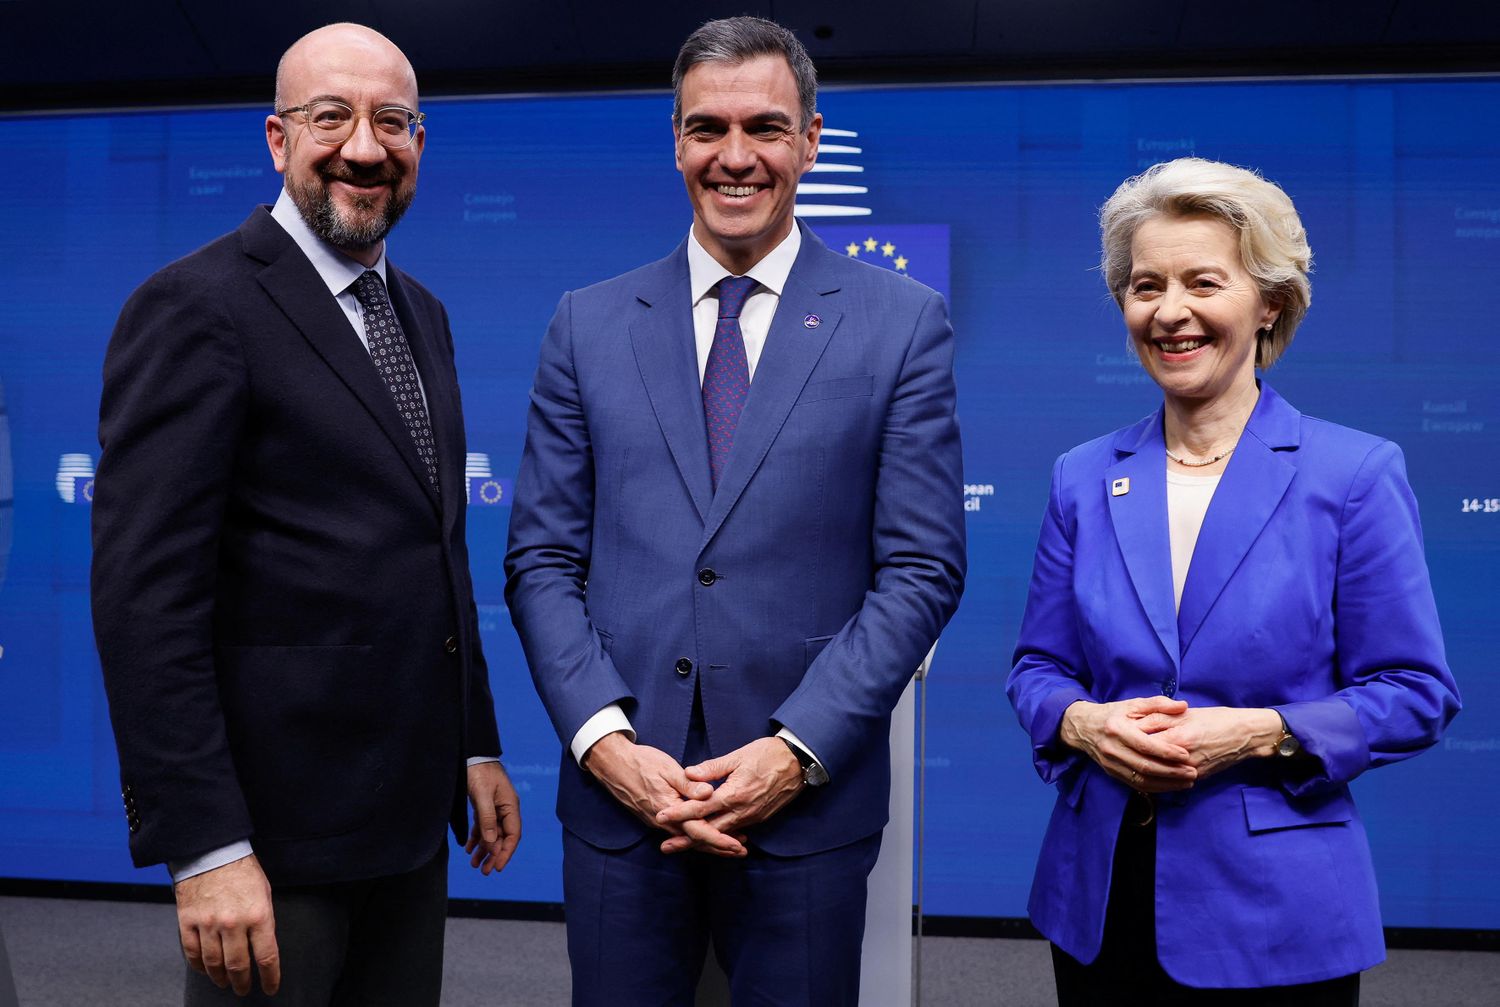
770 272
335 268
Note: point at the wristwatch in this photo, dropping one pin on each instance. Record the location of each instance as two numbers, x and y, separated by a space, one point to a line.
813 774
1287 745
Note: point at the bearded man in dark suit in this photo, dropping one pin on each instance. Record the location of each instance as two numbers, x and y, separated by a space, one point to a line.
281 586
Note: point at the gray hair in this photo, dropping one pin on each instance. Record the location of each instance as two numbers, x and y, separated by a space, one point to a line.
735 40
1273 242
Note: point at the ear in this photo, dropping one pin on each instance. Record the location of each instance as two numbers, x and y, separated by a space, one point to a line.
814 133
677 144
276 140
1271 313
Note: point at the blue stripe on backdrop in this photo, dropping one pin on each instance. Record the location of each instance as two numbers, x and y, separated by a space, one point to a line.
989 194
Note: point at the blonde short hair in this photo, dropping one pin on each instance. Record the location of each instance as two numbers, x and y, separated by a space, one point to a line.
1273 243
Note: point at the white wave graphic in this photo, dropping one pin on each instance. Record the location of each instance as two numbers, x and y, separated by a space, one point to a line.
845 152
70 467
476 466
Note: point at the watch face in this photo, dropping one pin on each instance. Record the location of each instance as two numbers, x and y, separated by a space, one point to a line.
1288 746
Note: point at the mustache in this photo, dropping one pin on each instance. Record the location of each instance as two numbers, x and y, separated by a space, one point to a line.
342 172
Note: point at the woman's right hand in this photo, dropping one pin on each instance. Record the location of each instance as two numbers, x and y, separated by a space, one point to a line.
1115 737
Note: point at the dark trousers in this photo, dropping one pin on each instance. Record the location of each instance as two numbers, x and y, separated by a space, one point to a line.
1127 966
367 943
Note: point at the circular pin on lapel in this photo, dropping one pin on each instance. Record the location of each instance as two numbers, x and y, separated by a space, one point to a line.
812 321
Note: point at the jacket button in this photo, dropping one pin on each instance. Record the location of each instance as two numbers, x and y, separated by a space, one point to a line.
1169 686
684 667
706 576
451 645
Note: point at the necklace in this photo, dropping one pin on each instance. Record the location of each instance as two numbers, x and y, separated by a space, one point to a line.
1198 465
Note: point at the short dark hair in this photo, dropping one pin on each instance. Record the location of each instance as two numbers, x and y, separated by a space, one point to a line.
737 39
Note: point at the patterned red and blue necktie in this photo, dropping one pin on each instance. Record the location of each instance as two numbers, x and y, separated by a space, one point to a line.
726 376
392 357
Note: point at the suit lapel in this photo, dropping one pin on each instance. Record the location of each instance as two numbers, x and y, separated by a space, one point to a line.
791 351
1247 496
1139 516
666 355
294 285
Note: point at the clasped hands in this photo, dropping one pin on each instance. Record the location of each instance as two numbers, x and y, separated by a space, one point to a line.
1157 745
757 781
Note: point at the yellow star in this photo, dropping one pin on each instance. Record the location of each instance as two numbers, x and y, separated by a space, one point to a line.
852 249
901 263
871 244
888 249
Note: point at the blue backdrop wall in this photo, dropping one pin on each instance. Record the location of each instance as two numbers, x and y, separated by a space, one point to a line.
987 193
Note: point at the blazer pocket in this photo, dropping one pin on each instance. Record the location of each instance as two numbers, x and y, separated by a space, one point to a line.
838 388
307 728
1269 808
812 647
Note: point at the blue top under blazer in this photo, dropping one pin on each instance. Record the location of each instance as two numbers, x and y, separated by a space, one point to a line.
1308 593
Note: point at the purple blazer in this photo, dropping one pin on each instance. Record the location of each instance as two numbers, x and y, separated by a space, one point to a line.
1308 592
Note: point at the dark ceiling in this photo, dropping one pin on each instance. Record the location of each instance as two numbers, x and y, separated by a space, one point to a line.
58 53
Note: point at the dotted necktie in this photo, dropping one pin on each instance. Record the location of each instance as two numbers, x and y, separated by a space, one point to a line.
392 357
726 376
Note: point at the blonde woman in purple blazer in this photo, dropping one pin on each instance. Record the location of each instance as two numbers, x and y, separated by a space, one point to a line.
1229 619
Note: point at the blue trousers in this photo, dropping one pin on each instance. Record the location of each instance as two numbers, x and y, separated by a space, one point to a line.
787 930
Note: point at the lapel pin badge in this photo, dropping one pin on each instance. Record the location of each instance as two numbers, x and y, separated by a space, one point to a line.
1119 487
812 321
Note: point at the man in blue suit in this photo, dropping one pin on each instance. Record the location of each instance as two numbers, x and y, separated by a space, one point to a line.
737 529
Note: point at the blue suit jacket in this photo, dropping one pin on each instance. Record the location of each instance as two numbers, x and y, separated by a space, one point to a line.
836 534
1308 592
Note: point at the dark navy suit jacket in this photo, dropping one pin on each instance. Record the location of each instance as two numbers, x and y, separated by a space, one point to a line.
1308 592
835 539
282 604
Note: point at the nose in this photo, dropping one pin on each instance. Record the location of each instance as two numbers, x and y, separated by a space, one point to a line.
362 147
1172 310
735 153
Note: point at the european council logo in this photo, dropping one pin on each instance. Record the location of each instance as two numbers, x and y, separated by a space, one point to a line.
916 250
75 479
483 489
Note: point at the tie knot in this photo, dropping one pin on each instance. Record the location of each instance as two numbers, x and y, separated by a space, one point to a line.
369 289
732 293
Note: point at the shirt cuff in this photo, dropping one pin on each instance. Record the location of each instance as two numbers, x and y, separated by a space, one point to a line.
481 759
607 721
786 733
181 870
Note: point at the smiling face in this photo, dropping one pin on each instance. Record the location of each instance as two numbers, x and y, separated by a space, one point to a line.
352 194
740 153
1191 308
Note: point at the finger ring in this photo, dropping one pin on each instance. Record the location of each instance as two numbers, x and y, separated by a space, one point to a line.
1135 777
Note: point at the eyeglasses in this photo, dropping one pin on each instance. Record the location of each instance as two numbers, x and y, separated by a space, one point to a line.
332 123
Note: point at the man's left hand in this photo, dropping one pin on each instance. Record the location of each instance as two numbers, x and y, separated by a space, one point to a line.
758 781
497 818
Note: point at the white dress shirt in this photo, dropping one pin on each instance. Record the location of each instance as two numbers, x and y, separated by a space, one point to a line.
704 274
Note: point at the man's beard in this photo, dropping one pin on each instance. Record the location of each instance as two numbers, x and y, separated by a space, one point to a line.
315 203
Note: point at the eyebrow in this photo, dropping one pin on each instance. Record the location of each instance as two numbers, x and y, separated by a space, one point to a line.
764 118
345 101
